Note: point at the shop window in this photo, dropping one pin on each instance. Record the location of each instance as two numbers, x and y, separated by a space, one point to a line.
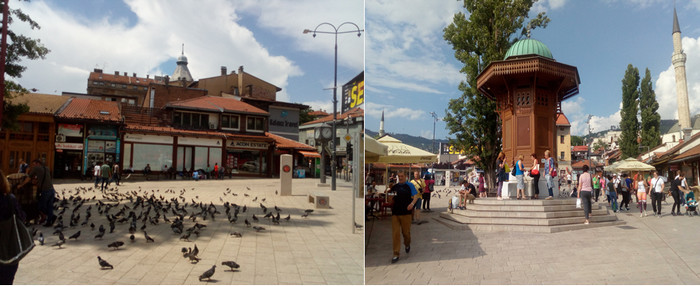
255 124
230 121
156 155
248 161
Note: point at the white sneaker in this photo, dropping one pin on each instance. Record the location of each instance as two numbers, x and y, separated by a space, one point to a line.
549 198
641 215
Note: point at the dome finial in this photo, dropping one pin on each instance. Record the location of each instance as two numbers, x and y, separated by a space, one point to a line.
183 49
528 30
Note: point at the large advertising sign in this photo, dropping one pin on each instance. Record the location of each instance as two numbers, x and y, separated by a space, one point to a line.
449 149
284 122
354 93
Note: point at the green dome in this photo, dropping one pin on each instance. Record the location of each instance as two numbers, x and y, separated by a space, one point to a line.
528 47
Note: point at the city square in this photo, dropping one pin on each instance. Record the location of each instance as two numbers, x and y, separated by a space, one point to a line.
318 249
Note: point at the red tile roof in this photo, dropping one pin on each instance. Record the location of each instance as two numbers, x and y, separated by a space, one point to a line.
39 102
562 120
82 108
690 153
318 113
284 143
580 148
352 113
217 104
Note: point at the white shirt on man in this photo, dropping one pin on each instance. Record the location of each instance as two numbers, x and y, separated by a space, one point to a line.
657 184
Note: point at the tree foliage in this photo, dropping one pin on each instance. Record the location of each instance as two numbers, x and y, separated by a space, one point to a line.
651 120
576 140
628 122
485 36
19 47
600 144
304 115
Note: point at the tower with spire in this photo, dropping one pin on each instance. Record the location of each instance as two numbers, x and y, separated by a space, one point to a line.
678 59
381 126
181 71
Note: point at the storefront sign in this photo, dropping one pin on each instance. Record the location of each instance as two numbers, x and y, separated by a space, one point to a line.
110 146
248 144
449 149
199 141
140 138
354 93
69 146
284 121
70 130
96 146
102 132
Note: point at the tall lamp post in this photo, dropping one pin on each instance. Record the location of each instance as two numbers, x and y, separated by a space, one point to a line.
335 82
434 121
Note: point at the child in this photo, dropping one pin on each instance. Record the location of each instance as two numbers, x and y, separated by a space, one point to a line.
612 194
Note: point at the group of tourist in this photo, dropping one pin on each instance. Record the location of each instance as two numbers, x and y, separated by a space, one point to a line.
105 174
502 175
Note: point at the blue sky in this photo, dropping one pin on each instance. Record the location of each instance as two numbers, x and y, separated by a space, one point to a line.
411 70
145 37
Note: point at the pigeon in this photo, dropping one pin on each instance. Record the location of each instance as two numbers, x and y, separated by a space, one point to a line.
100 235
358 225
258 228
132 238
308 211
92 226
75 236
184 252
195 251
59 243
247 223
186 236
60 236
148 238
116 244
237 234
288 217
207 274
255 219
101 229
231 264
305 215
104 263
275 192
41 238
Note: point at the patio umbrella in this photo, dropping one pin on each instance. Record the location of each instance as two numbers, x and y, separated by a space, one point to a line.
374 149
632 164
611 168
399 152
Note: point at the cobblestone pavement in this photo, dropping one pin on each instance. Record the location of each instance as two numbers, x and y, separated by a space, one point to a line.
648 250
319 249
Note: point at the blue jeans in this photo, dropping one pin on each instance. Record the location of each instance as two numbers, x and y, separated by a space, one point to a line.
612 199
550 184
97 181
46 203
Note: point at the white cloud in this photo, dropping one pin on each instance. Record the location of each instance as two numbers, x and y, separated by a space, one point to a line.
326 106
574 111
428 134
390 111
210 30
547 5
666 84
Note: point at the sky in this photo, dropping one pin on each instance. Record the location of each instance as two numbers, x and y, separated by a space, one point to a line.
146 37
411 69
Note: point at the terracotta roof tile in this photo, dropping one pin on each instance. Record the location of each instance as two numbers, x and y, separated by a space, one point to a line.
284 143
82 108
40 103
217 104
352 113
562 120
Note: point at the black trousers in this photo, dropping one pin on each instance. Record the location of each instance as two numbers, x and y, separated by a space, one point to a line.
676 202
536 180
426 201
625 199
597 194
7 273
656 199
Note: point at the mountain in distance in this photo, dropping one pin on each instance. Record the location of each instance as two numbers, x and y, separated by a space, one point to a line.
415 141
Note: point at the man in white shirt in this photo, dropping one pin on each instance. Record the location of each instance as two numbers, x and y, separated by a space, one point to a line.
97 173
657 195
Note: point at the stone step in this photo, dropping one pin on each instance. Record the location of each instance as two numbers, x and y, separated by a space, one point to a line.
525 221
525 228
525 208
527 214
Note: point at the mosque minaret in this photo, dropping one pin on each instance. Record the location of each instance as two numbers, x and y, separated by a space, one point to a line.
678 59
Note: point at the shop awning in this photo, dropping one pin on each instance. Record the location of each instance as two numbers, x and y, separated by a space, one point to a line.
310 154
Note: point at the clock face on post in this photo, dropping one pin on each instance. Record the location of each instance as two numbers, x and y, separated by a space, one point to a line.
326 132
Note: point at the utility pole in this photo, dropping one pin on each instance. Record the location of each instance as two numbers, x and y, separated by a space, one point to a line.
435 120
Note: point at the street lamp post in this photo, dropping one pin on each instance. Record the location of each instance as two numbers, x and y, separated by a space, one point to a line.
335 83
434 121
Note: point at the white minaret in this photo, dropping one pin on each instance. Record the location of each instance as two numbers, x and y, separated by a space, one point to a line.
381 126
678 60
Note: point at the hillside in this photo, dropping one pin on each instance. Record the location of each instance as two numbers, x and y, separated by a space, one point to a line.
415 141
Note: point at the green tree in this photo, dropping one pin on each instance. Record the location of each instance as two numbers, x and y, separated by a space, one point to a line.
628 121
485 36
576 140
599 144
19 47
304 115
651 120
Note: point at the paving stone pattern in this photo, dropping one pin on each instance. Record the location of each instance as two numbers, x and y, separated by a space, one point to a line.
646 250
320 249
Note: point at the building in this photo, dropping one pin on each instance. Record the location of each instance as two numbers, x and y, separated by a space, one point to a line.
36 133
117 87
563 142
349 123
678 60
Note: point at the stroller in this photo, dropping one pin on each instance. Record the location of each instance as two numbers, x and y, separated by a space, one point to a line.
690 205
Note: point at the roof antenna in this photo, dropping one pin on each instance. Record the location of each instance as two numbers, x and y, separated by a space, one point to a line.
183 49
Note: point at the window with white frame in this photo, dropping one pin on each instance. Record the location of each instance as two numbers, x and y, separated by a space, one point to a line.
255 124
230 121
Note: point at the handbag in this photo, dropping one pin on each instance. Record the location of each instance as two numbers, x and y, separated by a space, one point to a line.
578 203
534 172
15 239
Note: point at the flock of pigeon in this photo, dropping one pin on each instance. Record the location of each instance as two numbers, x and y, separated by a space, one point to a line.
144 210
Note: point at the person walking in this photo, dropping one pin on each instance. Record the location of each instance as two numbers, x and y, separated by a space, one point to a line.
676 188
8 202
642 188
519 175
116 175
548 170
657 193
585 187
106 172
625 191
611 193
429 180
482 185
501 174
97 174
535 174
419 185
404 201
596 186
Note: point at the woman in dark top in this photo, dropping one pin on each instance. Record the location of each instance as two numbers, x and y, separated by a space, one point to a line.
7 272
676 187
501 174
